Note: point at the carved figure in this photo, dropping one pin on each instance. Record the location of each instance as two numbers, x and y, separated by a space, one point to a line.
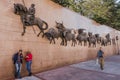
103 41
108 38
82 38
113 41
98 38
91 39
65 34
52 34
28 18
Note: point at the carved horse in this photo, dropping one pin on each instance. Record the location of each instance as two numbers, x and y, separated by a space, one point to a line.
21 10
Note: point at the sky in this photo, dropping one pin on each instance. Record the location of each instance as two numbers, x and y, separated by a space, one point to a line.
118 0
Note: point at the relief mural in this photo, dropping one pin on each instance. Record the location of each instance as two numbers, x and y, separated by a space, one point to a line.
78 36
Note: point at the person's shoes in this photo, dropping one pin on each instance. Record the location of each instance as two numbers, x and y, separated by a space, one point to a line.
15 76
30 74
102 69
18 77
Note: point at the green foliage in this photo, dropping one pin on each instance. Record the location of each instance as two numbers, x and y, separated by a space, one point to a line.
102 11
64 3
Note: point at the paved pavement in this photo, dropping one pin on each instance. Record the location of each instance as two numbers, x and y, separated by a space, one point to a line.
29 78
88 70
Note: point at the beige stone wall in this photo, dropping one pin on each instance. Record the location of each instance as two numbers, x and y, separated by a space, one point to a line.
45 56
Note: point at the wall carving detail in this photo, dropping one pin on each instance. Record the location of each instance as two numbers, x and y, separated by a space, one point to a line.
78 36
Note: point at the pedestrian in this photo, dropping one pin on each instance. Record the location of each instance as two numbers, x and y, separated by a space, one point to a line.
100 56
28 59
18 60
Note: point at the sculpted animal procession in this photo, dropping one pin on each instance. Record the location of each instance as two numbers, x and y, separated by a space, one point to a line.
78 36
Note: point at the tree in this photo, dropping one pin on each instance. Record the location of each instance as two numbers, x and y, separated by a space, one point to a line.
102 11
115 17
64 3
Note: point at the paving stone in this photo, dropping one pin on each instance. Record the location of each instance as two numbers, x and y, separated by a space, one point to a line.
88 70
110 66
71 73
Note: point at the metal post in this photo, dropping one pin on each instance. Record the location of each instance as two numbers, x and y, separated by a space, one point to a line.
23 2
117 45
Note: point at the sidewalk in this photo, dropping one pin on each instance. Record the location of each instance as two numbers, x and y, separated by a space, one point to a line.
84 71
29 78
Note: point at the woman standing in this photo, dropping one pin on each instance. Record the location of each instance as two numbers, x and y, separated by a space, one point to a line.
28 59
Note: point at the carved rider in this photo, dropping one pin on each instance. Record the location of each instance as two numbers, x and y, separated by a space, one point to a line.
31 13
116 37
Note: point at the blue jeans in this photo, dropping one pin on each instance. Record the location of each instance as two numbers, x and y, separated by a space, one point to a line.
18 69
28 66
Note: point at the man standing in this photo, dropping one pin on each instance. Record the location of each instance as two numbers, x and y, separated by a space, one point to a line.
17 59
101 58
28 59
